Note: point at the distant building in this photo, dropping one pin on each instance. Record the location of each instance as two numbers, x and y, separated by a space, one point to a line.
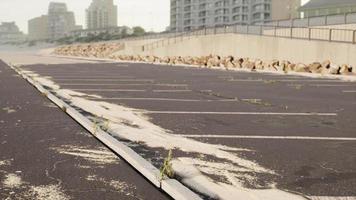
112 31
101 14
38 28
9 32
58 23
60 20
316 8
285 9
194 14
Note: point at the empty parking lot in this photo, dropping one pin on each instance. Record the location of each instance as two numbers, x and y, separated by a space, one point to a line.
299 131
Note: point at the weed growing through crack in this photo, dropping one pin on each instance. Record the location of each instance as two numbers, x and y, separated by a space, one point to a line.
64 108
96 125
105 126
166 169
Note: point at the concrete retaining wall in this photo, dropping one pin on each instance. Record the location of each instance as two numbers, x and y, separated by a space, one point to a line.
262 47
134 46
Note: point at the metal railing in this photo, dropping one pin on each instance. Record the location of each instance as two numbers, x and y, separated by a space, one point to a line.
306 33
337 19
348 18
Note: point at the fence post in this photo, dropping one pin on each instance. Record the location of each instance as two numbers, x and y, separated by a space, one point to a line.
291 32
345 18
275 31
354 37
309 33
330 34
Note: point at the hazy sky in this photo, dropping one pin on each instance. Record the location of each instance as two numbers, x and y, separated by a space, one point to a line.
150 14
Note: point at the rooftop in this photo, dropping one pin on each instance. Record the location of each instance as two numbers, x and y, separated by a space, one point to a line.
327 3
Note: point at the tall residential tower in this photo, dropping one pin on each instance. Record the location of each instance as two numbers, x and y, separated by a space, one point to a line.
58 23
194 14
101 14
60 20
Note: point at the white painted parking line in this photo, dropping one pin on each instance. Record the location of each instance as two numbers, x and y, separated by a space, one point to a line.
108 90
167 99
171 91
330 85
91 77
104 79
332 198
270 137
122 65
240 113
282 80
91 84
349 91
128 84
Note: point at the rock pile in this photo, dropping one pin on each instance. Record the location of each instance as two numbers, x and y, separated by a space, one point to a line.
244 63
98 50
106 50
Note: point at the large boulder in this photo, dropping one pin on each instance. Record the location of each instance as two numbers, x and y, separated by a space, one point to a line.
331 69
248 65
259 64
345 70
283 65
315 67
290 67
238 62
214 61
300 67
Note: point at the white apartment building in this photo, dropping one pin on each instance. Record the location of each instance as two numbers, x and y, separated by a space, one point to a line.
60 20
101 14
38 28
195 14
9 32
58 23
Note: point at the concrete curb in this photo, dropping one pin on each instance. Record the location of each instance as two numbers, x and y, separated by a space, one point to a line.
171 186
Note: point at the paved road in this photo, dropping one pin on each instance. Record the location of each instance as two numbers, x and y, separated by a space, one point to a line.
303 129
44 154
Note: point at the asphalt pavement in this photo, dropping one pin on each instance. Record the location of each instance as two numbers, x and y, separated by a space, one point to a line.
44 154
302 128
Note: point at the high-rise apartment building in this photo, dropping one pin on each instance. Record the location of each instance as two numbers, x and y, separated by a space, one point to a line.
315 8
10 32
60 20
194 14
101 14
58 23
38 28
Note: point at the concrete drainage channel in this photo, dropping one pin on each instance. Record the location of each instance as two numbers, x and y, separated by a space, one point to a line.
171 186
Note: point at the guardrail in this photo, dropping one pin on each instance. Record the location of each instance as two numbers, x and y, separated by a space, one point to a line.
337 19
151 36
306 33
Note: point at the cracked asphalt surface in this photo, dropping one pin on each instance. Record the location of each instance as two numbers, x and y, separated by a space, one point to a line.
44 154
314 167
